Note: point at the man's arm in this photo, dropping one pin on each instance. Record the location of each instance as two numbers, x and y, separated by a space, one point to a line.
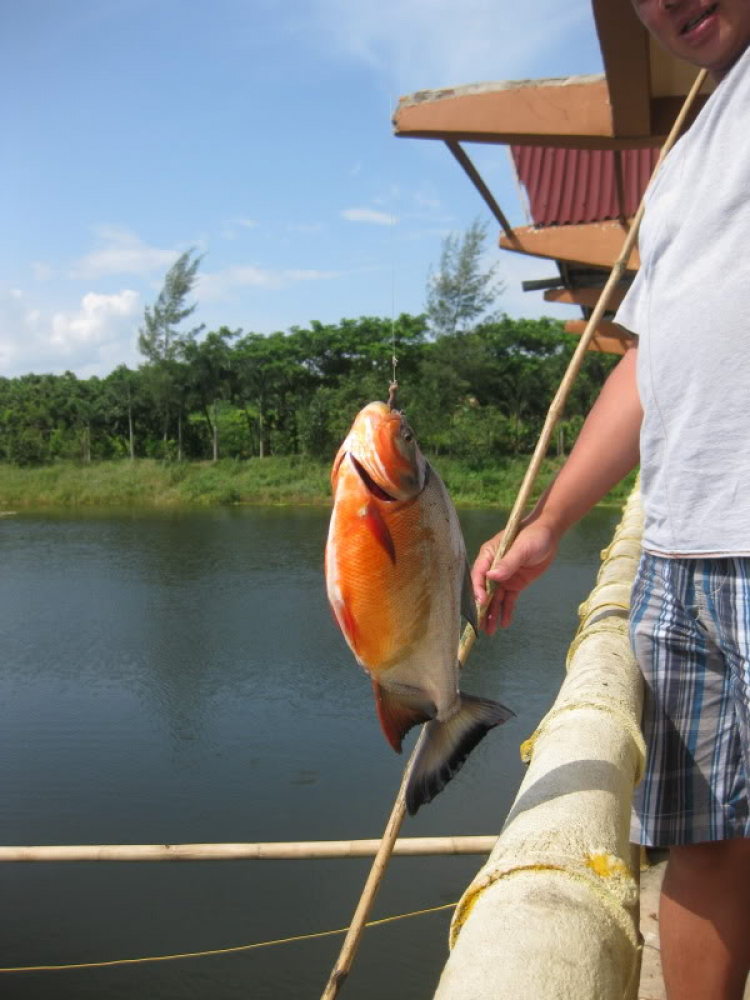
606 450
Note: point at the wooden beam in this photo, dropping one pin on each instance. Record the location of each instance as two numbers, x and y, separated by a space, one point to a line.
609 338
587 297
572 109
595 243
631 106
625 52
474 176
663 113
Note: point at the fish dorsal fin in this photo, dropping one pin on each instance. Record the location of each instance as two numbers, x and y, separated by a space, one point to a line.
468 604
399 711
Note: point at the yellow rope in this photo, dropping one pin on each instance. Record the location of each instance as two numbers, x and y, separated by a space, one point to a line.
221 951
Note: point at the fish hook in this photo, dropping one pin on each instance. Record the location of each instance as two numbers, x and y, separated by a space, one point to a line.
393 387
392 390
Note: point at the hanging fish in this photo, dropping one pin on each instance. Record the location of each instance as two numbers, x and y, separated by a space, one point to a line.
398 582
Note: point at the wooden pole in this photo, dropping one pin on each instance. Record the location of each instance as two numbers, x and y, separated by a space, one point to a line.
348 951
473 174
292 850
351 942
558 403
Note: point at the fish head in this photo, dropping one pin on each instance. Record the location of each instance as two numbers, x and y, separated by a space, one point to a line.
384 450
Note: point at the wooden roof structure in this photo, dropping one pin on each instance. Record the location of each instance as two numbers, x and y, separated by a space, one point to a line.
583 148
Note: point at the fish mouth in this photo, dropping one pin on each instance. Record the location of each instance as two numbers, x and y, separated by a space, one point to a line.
372 486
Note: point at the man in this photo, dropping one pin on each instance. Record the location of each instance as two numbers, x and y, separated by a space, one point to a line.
679 402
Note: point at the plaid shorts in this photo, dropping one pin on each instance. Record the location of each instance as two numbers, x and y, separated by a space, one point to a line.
690 630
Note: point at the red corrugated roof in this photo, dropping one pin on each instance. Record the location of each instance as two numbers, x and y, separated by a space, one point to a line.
568 186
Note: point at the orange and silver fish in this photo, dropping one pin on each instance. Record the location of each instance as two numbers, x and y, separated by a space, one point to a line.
398 582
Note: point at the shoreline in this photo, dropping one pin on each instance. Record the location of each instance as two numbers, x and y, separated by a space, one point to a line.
271 481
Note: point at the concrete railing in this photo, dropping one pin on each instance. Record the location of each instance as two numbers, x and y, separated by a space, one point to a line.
553 914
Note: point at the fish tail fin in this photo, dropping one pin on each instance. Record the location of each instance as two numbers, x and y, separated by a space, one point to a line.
447 744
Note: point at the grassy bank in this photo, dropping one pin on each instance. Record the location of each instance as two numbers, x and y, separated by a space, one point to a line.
271 480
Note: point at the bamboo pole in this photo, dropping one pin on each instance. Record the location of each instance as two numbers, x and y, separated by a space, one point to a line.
291 850
348 951
351 942
558 403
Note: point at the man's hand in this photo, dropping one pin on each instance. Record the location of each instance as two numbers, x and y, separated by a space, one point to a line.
528 557
606 449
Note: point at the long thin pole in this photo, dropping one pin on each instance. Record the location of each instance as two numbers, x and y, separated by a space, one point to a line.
274 851
558 403
473 174
351 942
348 951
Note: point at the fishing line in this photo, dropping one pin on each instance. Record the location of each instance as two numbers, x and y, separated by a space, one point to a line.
146 959
393 387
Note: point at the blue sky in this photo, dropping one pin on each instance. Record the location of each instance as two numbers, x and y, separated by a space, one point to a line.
259 132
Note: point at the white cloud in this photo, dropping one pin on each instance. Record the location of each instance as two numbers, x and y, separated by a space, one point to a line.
369 215
96 321
94 337
437 43
221 283
122 251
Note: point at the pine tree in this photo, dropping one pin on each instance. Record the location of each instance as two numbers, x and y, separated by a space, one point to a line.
461 291
163 344
158 338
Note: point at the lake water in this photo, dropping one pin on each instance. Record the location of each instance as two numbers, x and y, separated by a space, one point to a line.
177 677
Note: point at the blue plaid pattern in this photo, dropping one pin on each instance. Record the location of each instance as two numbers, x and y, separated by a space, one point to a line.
690 631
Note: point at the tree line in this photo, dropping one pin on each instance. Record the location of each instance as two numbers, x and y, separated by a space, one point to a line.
483 392
474 384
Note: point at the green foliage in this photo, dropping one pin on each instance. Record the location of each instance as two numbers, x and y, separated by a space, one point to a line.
275 480
476 396
164 346
461 292
158 338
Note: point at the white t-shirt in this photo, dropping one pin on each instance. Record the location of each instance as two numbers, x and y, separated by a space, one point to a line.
690 306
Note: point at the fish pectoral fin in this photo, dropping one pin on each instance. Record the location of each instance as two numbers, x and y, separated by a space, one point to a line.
468 604
447 745
376 524
400 710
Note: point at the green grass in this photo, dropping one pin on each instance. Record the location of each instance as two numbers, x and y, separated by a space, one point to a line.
147 482
273 480
496 483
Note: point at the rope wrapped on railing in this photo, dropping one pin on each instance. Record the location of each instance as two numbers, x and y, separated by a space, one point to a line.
553 914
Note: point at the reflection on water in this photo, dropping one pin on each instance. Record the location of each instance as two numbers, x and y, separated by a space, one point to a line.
177 677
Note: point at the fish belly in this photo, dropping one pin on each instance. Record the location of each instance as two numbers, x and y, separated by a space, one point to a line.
432 661
392 585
